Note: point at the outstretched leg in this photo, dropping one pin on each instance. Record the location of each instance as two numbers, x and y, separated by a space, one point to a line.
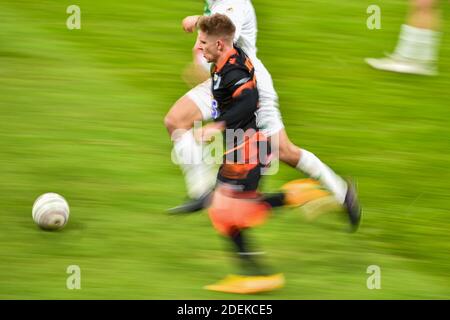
309 164
199 176
233 216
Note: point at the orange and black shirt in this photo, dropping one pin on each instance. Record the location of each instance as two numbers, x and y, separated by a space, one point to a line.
235 102
235 96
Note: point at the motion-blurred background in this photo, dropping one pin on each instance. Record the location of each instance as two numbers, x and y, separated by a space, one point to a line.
81 114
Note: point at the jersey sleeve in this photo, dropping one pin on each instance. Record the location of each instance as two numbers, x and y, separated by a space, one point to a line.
236 15
244 98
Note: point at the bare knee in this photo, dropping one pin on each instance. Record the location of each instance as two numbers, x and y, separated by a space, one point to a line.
172 122
182 115
422 5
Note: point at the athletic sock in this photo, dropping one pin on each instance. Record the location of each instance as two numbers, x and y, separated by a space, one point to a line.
199 177
249 262
274 199
314 168
418 44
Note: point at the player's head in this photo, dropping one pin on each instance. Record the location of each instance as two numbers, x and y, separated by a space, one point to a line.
215 35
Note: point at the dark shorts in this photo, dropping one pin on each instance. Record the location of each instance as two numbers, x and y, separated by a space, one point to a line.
242 166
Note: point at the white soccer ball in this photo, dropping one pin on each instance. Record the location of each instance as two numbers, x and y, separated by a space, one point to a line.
51 211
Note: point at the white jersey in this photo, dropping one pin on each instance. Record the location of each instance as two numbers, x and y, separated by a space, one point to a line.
242 14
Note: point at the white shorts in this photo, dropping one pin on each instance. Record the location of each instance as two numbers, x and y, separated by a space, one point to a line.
268 117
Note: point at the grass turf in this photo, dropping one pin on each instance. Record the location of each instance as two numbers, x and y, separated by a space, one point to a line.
82 115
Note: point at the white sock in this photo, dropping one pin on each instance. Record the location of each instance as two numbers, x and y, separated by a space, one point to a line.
418 44
313 167
199 177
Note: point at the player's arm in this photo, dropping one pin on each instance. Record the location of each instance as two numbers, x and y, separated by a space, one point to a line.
197 71
189 23
200 61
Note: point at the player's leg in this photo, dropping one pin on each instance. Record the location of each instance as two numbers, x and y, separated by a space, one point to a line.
236 205
199 177
252 277
269 120
309 164
424 14
249 259
233 216
182 115
417 48
233 212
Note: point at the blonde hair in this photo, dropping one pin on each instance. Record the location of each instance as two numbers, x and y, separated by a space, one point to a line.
217 25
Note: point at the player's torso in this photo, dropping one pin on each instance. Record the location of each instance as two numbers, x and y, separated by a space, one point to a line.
223 94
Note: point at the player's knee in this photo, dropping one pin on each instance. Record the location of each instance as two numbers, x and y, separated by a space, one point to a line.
424 4
171 123
182 115
174 120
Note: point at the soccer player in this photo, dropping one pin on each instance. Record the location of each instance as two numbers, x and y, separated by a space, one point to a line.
236 205
197 105
417 47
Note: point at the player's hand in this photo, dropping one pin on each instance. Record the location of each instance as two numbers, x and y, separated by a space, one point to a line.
189 23
194 74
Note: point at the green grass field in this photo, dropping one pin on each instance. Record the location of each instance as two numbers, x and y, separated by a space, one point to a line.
82 115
